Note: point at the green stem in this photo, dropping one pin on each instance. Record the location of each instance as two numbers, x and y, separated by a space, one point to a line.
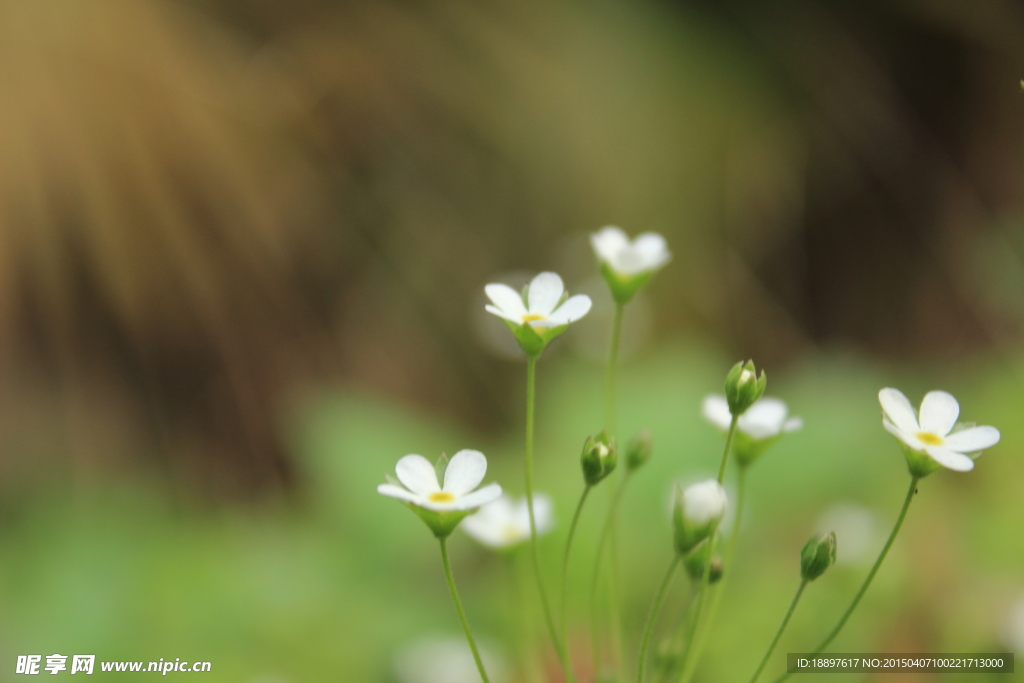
689 662
605 533
728 447
782 627
531 374
871 575
462 613
611 370
652 617
565 577
730 551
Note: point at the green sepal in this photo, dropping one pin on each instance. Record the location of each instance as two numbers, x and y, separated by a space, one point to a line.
624 287
919 463
441 523
530 340
747 449
685 535
697 559
440 467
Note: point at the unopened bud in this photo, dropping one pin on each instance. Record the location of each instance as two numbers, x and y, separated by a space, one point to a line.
818 554
696 512
599 457
743 387
697 560
639 450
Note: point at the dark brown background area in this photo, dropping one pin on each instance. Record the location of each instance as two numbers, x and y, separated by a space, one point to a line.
206 205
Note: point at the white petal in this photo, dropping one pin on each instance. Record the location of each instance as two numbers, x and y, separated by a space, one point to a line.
506 300
651 249
972 440
574 308
543 514
899 410
518 320
545 292
715 410
484 530
704 502
939 411
608 243
487 494
793 424
764 419
398 492
465 472
909 439
417 474
950 459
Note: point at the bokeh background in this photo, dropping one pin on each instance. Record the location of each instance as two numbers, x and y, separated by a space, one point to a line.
242 253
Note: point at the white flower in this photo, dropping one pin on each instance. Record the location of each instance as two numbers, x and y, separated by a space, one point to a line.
704 503
932 433
1013 628
765 419
697 511
543 309
644 254
505 523
441 659
464 473
857 528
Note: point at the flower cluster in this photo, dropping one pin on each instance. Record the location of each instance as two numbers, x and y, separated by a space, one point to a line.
931 438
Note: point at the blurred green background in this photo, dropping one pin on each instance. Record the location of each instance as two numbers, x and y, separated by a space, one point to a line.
242 256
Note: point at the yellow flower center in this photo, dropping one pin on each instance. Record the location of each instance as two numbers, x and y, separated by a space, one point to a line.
929 439
441 497
530 317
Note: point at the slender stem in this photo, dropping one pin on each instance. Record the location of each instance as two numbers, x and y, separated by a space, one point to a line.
565 577
728 447
462 612
730 551
871 575
611 370
531 373
605 533
782 627
688 660
676 640
652 617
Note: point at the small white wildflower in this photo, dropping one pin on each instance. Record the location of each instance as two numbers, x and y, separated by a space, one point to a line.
538 315
856 526
442 507
1012 630
505 523
932 433
766 419
697 511
647 252
756 429
440 659
543 308
625 265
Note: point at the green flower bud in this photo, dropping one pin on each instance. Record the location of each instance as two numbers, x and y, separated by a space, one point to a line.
818 554
697 560
743 387
639 450
696 512
599 457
